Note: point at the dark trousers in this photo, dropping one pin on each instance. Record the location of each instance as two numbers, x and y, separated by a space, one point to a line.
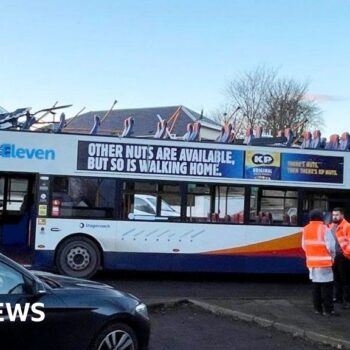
341 270
322 296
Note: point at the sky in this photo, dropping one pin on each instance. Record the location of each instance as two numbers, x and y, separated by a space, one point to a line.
150 53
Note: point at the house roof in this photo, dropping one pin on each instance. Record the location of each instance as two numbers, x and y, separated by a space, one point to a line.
145 120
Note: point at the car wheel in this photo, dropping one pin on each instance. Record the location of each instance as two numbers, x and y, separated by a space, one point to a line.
116 336
78 257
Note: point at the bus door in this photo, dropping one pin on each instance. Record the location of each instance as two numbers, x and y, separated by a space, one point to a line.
16 211
326 201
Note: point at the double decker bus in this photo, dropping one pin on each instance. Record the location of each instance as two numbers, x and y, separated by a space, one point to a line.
83 203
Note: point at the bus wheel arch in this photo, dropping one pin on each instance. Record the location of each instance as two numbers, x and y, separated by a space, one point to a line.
79 255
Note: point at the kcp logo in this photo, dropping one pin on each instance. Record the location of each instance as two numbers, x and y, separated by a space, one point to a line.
262 159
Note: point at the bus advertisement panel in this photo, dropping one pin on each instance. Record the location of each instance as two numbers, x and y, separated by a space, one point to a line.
294 167
263 166
204 162
313 168
162 160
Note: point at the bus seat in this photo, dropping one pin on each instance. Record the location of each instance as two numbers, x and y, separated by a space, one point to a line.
265 220
97 123
235 218
249 136
30 120
227 133
189 129
333 142
214 217
156 135
286 219
258 218
161 132
316 139
288 134
307 140
195 135
232 137
128 127
344 143
241 217
293 220
280 133
61 124
258 132
222 131
227 218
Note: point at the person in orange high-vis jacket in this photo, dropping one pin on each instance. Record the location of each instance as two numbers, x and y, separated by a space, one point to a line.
340 229
319 246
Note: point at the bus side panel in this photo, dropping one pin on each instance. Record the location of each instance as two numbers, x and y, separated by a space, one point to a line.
154 245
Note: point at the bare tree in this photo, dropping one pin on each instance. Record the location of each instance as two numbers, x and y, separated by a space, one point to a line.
286 106
269 101
249 91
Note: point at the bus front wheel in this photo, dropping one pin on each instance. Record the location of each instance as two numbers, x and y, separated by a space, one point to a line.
78 257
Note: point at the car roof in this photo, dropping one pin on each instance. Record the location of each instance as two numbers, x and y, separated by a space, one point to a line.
144 196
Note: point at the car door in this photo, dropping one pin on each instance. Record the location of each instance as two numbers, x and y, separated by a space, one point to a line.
14 329
28 320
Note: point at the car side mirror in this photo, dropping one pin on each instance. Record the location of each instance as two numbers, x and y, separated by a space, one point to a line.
38 288
34 286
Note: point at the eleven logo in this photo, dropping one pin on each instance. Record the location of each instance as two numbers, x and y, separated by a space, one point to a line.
8 150
5 150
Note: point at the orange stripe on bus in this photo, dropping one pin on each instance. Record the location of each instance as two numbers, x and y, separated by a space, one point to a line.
285 243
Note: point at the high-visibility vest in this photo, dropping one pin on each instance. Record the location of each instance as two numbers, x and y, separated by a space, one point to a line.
343 236
314 245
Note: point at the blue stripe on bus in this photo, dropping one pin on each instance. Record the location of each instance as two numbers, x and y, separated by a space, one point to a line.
43 259
203 263
189 262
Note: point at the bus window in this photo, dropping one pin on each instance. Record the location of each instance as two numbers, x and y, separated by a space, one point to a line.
271 206
16 195
315 201
84 197
170 200
198 203
229 204
143 200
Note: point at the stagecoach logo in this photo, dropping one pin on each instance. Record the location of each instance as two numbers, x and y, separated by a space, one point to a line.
8 150
262 159
82 225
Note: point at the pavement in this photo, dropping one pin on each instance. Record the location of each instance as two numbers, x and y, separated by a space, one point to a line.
291 315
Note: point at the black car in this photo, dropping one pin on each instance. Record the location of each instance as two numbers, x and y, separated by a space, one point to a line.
40 310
